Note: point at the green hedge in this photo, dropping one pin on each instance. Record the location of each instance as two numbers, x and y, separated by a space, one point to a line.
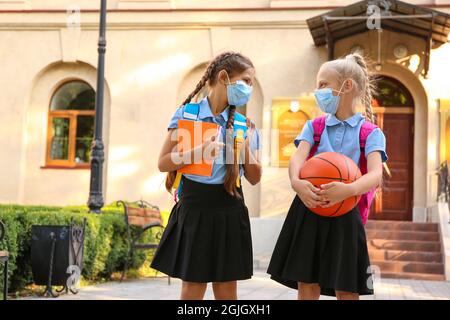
105 245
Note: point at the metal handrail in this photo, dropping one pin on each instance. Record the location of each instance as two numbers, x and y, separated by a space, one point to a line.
443 181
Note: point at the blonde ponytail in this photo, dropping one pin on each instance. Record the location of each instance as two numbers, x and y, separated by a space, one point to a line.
355 67
368 87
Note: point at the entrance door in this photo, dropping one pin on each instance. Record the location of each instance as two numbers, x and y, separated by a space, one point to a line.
394 109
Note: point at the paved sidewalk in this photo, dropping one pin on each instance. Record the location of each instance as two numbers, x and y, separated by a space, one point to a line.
259 287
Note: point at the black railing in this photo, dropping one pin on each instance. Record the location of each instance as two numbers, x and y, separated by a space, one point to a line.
443 182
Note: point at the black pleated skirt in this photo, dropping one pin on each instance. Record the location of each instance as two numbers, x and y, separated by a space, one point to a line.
207 238
329 251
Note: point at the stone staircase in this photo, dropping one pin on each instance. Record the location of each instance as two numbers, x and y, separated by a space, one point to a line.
406 250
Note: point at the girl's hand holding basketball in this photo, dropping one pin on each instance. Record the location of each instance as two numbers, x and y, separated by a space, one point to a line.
307 192
334 192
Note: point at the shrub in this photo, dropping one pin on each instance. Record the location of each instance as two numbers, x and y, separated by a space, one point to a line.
105 243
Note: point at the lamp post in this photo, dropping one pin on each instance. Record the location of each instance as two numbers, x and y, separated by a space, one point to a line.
95 201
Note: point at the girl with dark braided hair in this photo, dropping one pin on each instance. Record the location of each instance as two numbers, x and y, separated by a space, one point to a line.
207 238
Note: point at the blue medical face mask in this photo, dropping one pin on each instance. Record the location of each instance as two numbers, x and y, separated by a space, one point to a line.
238 93
326 101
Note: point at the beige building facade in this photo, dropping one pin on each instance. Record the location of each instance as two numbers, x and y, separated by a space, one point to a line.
156 53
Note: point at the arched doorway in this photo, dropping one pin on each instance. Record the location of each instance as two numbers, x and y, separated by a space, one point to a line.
394 109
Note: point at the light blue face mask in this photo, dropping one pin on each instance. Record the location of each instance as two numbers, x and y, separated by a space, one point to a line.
238 93
326 101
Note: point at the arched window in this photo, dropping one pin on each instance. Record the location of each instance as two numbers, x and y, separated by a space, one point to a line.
391 93
71 125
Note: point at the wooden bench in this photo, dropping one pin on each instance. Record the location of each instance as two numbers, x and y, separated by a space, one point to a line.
4 256
140 216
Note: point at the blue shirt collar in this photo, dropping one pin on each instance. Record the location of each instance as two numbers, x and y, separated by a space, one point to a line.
205 110
352 121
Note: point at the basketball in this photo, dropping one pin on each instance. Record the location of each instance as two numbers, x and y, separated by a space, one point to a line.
327 167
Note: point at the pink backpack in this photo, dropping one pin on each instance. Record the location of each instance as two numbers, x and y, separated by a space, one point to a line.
367 127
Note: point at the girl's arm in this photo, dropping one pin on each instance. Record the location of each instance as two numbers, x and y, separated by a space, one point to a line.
306 191
252 166
252 163
170 159
169 152
298 160
338 191
373 176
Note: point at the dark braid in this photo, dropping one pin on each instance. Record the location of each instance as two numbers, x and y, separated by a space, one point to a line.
230 122
232 168
232 63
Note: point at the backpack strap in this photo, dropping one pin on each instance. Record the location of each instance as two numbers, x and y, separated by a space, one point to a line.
367 198
366 129
191 111
239 134
318 127
239 123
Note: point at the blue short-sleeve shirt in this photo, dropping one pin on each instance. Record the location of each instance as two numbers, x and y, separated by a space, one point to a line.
343 137
219 165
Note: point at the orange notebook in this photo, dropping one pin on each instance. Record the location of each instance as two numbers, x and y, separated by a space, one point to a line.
192 134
